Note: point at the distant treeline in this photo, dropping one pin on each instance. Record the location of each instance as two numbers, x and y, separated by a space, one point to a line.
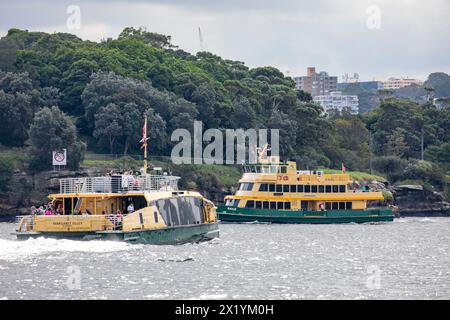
58 91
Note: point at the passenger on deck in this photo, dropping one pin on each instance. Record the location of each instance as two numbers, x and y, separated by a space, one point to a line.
48 211
118 220
130 208
59 210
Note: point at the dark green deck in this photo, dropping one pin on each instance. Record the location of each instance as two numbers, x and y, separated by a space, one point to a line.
169 235
234 214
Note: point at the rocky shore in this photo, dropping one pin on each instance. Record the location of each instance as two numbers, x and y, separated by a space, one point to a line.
28 190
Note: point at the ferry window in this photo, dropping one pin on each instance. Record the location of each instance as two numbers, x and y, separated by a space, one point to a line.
227 203
321 189
170 209
279 188
236 202
293 188
313 188
287 206
250 204
300 188
273 169
335 188
285 188
249 186
258 205
307 189
241 186
341 205
258 169
273 205
283 169
271 187
348 205
335 205
341 188
156 216
327 189
280 205
263 187
266 204
327 205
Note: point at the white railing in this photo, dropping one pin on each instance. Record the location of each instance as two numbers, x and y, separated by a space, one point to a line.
118 184
24 223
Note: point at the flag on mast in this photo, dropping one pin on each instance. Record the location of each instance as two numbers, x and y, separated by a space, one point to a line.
144 134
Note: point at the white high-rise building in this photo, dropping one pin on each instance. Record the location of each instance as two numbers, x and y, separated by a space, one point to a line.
397 83
336 100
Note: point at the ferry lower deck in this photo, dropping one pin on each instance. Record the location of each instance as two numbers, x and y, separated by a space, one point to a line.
235 214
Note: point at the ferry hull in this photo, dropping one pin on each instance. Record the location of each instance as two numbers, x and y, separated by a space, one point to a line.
168 235
233 214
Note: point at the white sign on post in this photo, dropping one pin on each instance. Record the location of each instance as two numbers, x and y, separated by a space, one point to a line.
60 157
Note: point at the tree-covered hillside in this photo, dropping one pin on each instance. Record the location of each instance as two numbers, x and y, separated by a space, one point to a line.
105 88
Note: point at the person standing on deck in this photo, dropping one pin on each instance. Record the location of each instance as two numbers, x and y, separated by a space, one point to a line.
130 208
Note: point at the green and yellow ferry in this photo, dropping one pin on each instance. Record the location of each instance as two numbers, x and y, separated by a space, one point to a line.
144 208
136 209
276 192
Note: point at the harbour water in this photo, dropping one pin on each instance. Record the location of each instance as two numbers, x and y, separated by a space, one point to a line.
405 259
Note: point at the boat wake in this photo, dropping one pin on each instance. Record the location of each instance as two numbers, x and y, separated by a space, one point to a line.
12 250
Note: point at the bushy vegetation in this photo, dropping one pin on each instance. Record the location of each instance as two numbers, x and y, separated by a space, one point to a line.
55 88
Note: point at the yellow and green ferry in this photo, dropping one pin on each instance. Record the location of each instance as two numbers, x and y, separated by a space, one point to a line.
276 192
99 208
142 208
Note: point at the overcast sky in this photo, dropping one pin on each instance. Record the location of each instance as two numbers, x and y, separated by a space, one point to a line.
411 38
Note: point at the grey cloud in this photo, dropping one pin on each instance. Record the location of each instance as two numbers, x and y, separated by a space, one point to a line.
332 35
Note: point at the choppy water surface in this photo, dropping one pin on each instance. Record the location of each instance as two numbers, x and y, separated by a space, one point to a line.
408 258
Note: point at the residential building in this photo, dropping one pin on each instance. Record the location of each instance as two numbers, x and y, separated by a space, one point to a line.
316 83
336 100
397 83
366 85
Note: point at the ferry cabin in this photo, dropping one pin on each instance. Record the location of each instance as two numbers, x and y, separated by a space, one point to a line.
281 187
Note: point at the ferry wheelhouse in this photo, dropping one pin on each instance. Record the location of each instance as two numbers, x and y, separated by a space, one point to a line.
272 191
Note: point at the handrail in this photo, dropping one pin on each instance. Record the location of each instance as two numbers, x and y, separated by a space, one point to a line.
118 184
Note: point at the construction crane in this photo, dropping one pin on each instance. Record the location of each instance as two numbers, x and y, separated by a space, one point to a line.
200 38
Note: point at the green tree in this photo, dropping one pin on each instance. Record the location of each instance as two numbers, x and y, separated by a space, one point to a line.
396 144
107 125
6 173
52 130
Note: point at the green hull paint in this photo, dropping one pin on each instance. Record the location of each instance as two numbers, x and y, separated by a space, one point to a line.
233 214
169 235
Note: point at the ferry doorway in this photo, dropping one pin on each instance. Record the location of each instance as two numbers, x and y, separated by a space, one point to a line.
138 202
304 205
